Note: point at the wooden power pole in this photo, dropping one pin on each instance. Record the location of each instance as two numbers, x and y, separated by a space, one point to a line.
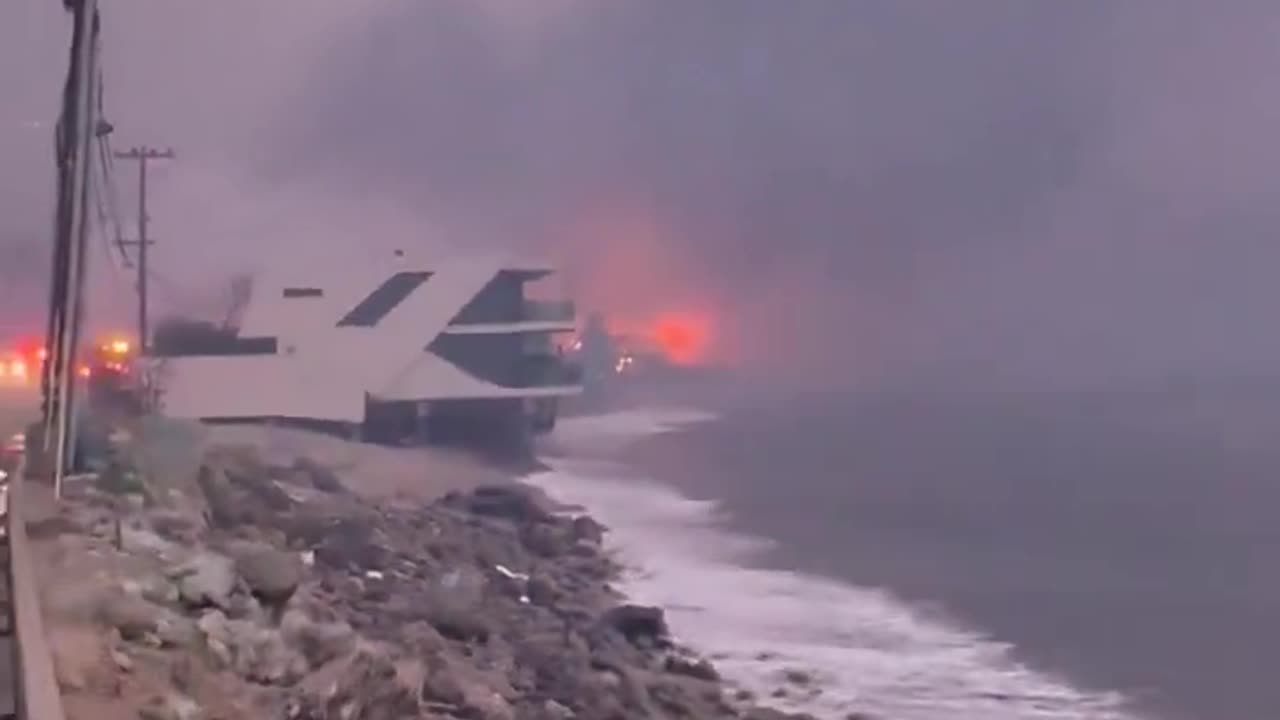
143 155
76 127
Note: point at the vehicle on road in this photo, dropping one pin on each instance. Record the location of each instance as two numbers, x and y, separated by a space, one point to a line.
109 367
16 370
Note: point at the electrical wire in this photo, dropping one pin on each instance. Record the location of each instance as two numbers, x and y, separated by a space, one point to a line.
103 191
110 193
108 190
116 257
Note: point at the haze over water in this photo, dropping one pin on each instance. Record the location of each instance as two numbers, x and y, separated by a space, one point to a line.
1122 539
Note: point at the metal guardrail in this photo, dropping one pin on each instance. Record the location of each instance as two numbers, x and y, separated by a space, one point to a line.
36 692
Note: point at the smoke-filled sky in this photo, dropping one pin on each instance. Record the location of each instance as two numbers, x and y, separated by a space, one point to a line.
965 192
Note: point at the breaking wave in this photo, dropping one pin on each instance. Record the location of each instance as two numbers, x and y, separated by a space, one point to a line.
813 644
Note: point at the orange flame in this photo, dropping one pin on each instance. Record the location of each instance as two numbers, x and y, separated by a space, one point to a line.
683 337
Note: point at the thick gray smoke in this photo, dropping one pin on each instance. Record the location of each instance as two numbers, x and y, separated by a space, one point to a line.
996 190
975 192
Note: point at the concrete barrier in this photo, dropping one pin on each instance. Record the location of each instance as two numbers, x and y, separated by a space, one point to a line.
35 686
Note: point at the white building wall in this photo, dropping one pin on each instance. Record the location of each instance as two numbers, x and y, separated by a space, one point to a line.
324 371
253 386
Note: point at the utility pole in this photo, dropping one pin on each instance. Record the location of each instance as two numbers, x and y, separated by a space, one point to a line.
143 155
76 125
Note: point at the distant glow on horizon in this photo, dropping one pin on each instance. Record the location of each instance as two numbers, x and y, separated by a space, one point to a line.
683 337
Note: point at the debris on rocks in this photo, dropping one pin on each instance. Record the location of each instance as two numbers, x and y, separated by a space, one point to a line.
255 590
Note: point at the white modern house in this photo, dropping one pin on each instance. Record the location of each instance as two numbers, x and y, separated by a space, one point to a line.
382 347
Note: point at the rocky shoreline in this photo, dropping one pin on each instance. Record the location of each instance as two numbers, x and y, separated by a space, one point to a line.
257 590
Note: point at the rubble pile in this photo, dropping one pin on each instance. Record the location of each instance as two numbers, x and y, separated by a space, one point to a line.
262 591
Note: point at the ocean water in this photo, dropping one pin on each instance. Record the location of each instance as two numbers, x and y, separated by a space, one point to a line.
939 558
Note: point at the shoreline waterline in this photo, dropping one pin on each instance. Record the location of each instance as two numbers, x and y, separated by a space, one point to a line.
857 649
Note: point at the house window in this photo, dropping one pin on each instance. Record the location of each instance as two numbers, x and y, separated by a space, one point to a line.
370 311
499 301
214 346
303 292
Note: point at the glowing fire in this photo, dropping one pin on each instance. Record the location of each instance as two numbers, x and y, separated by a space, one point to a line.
626 261
683 337
680 337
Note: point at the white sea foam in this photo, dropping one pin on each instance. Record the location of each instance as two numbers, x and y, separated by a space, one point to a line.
864 650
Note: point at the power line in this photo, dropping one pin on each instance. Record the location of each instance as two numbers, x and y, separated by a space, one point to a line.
104 190
108 223
106 166
108 192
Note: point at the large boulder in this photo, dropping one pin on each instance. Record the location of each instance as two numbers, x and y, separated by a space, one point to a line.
133 617
345 543
641 625
320 477
443 687
460 622
586 529
171 706
550 540
508 502
542 590
272 575
253 652
371 684
175 526
206 580
690 666
563 668
462 690
239 489
319 642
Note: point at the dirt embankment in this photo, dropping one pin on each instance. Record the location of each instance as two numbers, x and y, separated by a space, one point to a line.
256 589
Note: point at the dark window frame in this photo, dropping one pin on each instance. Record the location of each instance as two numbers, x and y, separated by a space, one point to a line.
386 297
221 347
478 310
